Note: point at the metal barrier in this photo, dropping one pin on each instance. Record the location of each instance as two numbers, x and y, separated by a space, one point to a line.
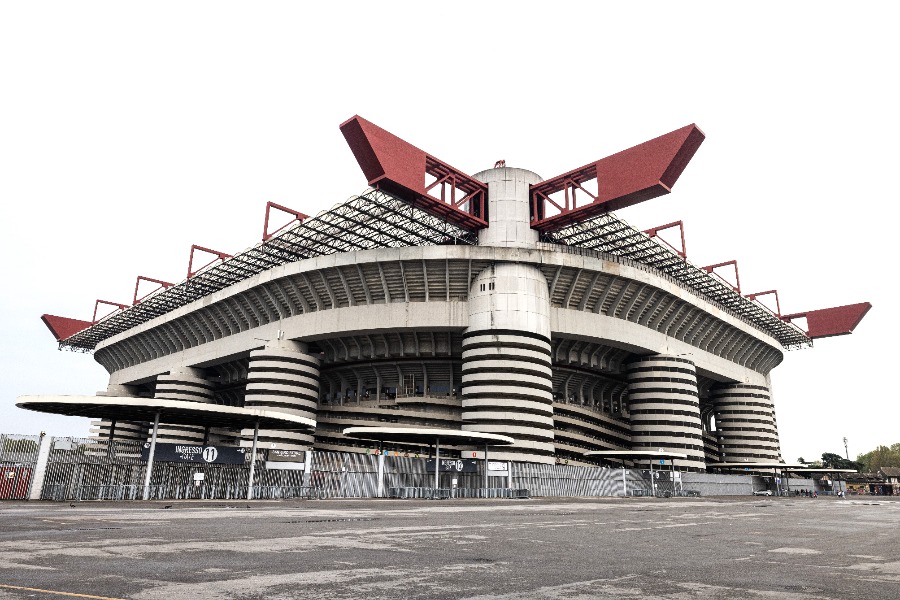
428 493
513 493
420 492
277 492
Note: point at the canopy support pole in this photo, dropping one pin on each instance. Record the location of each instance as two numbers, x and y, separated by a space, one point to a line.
485 466
252 462
150 457
437 463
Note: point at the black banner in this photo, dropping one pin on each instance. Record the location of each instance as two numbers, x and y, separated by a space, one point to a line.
195 454
287 455
453 465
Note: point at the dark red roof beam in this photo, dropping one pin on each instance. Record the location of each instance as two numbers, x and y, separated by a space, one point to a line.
640 173
828 322
711 269
654 233
64 327
218 256
298 216
162 284
399 168
108 303
758 294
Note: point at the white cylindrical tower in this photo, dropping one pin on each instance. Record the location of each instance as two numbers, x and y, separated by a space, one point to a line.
745 423
507 384
508 208
284 378
664 408
186 384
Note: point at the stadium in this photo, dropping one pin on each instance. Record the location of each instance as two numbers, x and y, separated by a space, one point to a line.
494 303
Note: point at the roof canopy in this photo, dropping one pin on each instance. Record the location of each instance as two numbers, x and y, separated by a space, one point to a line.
426 435
755 465
181 412
625 454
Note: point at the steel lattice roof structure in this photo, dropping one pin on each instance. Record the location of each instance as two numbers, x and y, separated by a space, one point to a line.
610 235
371 220
376 219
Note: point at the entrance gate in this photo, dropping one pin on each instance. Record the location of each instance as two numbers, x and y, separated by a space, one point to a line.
18 456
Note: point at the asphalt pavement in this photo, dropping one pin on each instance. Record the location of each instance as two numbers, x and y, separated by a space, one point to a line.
579 548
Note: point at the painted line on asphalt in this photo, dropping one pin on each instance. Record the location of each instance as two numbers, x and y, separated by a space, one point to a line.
70 594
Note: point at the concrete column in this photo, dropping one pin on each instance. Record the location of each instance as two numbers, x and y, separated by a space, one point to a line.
664 408
506 371
124 430
508 208
186 384
285 378
745 423
40 468
507 383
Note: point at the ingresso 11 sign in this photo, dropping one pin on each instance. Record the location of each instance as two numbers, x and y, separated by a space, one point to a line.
195 454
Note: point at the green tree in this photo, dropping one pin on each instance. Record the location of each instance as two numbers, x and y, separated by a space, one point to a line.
836 461
882 456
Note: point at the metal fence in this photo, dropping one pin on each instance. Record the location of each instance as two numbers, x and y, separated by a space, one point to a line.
85 469
18 456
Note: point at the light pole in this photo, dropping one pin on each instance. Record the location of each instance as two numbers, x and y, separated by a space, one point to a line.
846 454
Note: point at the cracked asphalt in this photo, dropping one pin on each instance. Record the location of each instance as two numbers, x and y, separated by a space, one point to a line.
609 548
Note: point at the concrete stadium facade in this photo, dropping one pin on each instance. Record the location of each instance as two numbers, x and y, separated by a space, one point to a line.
567 350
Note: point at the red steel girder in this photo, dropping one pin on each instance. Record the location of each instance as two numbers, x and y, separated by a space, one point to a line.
163 284
769 292
628 177
399 168
218 256
108 303
64 327
828 322
711 269
298 216
654 233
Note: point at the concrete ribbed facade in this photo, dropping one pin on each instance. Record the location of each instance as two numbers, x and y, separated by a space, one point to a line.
285 379
664 407
188 385
745 422
565 349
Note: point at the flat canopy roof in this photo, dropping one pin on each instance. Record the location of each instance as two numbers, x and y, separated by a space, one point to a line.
426 435
754 465
180 412
635 454
821 470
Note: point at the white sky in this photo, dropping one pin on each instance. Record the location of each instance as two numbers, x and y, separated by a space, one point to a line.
130 131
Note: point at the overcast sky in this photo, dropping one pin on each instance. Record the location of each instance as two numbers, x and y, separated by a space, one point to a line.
130 131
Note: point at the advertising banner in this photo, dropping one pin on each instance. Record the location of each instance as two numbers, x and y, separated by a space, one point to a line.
453 465
195 454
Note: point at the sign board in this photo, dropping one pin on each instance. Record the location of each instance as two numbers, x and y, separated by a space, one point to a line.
287 455
195 454
285 466
498 469
453 465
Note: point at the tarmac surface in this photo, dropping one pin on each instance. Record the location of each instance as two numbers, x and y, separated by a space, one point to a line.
609 548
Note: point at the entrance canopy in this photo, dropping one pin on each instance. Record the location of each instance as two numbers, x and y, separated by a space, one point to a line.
632 454
821 470
427 435
178 412
755 465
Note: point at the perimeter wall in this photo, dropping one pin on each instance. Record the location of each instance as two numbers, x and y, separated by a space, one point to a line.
66 469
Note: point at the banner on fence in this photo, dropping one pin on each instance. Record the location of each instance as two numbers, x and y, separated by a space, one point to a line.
453 465
195 454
